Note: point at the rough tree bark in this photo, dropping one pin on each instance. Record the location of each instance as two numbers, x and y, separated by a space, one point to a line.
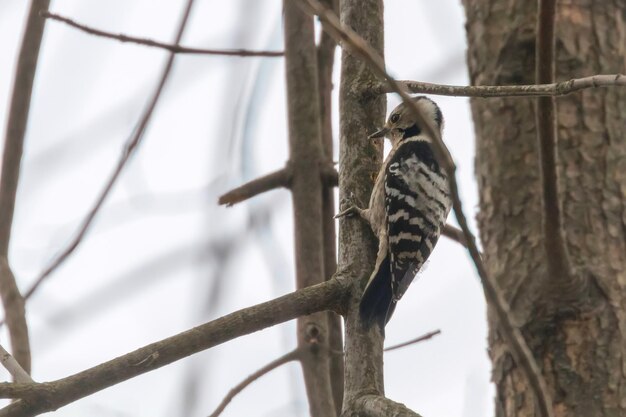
359 160
581 349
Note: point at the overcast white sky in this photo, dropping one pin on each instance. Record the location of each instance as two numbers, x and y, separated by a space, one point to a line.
162 256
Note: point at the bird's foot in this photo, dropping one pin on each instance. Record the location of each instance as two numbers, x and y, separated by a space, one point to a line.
351 210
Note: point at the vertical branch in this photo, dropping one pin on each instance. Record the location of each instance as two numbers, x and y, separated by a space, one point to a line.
13 145
359 161
560 281
325 63
306 186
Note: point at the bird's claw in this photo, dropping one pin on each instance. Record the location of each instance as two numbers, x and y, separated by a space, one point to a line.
349 212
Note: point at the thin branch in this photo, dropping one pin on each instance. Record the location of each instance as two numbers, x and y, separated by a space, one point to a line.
286 358
524 356
40 398
379 406
277 179
175 48
414 341
130 148
11 160
455 234
14 368
485 91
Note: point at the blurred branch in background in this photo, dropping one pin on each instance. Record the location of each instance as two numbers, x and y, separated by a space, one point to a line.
223 252
173 48
326 47
12 299
245 91
242 95
295 354
129 149
161 267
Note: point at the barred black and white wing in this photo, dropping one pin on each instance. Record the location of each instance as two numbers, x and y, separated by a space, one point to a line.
417 202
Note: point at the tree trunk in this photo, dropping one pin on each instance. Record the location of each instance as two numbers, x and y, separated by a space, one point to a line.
582 352
359 161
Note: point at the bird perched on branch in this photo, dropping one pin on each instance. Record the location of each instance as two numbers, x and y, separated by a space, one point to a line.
407 209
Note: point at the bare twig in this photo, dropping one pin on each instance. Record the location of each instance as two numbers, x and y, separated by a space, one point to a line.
276 179
486 91
14 368
173 48
455 234
524 356
39 398
11 160
414 341
286 358
129 149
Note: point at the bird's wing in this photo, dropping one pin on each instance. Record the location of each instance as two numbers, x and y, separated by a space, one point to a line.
417 204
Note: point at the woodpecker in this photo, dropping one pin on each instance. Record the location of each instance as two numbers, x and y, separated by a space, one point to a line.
407 209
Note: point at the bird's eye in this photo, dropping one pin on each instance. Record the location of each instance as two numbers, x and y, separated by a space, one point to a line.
394 118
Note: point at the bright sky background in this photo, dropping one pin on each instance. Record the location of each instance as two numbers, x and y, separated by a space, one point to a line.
162 256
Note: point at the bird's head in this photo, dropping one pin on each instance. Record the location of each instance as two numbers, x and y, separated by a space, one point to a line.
401 123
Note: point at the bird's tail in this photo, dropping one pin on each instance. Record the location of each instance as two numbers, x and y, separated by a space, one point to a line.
377 303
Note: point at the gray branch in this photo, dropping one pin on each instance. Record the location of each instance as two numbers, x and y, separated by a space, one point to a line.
42 397
533 90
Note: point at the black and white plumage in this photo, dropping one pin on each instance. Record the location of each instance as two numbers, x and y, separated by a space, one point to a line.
407 209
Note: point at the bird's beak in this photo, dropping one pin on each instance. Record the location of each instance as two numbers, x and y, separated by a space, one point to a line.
381 133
